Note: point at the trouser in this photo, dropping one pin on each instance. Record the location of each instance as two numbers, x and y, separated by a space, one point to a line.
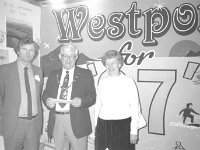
64 136
25 137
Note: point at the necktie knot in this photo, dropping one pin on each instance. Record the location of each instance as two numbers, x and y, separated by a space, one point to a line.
25 68
66 79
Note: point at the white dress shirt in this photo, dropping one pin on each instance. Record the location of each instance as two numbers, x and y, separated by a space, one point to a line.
23 110
117 98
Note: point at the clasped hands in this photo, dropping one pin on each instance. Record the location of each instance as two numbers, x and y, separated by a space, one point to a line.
51 102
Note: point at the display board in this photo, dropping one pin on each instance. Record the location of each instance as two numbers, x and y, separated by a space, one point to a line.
159 41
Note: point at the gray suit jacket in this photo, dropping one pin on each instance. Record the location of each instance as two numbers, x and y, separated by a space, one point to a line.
10 96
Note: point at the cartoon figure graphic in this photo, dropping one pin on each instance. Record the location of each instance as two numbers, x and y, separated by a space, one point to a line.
187 112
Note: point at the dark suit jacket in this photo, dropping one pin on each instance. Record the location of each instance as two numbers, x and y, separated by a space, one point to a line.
10 96
83 87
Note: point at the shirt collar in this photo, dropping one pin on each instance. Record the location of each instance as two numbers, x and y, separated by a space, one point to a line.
70 71
22 66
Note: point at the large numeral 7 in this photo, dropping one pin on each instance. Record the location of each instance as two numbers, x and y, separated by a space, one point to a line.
166 80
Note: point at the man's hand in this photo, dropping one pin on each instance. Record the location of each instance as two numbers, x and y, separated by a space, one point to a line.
50 102
134 139
76 102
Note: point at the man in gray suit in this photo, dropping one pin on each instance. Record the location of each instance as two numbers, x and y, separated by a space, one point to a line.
20 106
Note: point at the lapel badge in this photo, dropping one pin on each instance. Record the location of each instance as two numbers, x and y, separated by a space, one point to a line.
37 78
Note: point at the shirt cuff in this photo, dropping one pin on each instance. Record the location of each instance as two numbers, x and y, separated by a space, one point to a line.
134 131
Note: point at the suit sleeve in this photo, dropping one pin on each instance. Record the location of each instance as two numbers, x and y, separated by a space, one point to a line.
90 97
42 82
97 104
1 90
44 97
46 91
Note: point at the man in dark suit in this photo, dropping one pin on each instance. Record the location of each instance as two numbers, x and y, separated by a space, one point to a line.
20 105
69 93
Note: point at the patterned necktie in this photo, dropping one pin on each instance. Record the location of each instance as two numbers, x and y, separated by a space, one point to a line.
28 91
64 89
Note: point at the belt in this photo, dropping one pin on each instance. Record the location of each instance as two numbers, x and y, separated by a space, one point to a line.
29 118
62 113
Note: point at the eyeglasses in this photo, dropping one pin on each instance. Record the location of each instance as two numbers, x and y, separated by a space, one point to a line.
68 57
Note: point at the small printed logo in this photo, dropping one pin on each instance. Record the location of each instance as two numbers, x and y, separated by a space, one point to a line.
178 146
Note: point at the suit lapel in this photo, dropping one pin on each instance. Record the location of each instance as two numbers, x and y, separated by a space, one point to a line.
56 81
76 74
37 79
16 84
58 76
75 78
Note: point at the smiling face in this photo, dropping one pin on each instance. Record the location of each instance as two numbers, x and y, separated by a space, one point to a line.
113 61
113 66
68 56
26 53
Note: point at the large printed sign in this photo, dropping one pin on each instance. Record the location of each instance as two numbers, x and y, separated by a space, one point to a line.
159 41
157 22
